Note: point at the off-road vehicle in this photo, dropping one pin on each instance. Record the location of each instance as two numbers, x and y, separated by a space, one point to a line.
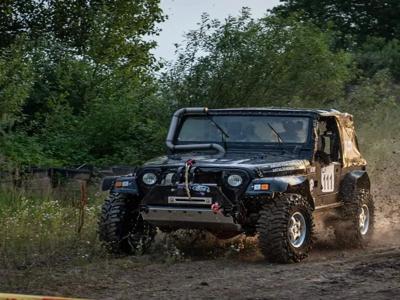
257 171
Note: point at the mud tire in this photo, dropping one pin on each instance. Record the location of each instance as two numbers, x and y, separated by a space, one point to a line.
347 229
273 228
121 227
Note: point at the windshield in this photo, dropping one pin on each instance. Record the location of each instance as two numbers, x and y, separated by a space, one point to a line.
244 129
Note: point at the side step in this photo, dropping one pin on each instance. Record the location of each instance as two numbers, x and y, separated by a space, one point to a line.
328 206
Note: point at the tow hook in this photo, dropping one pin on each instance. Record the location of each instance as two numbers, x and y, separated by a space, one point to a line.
216 208
188 165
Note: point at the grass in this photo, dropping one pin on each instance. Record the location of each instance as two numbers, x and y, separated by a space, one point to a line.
43 231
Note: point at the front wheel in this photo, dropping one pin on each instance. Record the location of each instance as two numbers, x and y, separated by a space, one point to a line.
285 228
122 228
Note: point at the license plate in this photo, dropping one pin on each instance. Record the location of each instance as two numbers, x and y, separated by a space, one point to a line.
187 200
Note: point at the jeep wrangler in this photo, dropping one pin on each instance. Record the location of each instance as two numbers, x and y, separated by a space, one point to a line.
257 171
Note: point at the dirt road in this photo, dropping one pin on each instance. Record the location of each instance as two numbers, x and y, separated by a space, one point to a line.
329 272
373 274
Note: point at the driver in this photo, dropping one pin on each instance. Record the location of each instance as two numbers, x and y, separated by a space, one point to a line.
293 131
250 134
235 130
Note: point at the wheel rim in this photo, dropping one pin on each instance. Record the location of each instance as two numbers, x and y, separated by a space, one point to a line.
364 219
297 230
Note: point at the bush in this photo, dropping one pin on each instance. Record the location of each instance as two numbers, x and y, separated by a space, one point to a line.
19 149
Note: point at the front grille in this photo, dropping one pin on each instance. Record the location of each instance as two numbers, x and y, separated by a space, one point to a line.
207 177
203 176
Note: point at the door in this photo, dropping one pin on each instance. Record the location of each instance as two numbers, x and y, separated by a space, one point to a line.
328 161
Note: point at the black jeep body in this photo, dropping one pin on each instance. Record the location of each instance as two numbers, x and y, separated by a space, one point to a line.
263 171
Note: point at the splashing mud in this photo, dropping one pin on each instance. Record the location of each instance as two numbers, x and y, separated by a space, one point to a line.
386 191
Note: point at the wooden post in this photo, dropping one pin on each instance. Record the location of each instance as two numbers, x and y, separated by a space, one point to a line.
82 204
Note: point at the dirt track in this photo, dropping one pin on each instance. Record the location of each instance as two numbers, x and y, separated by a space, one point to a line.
373 274
329 272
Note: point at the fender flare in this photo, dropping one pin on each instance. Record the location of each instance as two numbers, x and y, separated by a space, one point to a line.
353 180
291 184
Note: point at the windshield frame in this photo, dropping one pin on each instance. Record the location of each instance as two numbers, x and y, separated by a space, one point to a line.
253 145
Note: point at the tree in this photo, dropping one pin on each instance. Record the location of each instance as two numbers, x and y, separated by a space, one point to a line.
246 62
353 20
90 70
103 29
377 54
15 85
71 39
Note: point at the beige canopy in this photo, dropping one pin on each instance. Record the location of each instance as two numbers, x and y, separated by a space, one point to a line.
350 150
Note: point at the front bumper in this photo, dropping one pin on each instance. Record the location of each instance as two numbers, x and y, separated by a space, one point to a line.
169 206
185 217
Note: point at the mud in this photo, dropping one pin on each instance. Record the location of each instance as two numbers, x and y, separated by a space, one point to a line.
328 273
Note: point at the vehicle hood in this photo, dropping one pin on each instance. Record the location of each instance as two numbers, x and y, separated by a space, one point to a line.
261 162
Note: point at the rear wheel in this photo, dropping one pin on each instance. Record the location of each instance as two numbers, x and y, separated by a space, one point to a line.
356 226
285 229
122 228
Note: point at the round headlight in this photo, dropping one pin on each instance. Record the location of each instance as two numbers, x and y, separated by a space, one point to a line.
235 180
149 178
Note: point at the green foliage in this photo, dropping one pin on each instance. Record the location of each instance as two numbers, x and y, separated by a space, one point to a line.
105 30
246 62
19 150
125 130
367 30
15 84
353 20
77 85
378 54
77 82
62 80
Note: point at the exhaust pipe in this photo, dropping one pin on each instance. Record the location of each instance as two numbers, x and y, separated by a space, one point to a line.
172 129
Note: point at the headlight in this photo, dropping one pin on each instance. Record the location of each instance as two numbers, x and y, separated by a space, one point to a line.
235 180
149 178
